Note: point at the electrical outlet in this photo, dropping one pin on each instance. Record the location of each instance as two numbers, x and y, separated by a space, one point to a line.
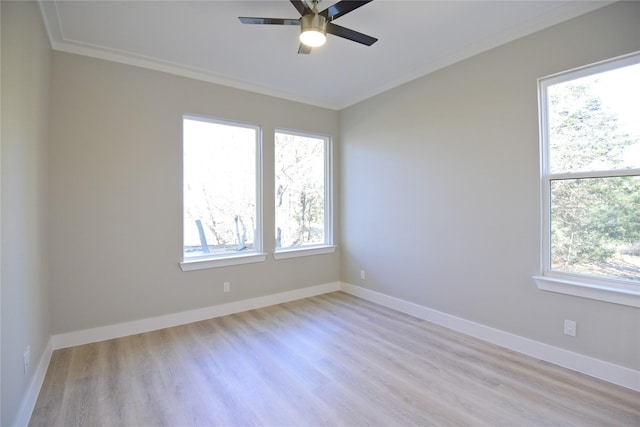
27 359
363 275
227 286
570 328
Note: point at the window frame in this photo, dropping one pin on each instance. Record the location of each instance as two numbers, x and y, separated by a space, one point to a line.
598 288
328 246
227 259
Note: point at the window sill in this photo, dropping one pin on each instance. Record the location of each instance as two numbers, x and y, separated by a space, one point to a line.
203 263
614 293
305 251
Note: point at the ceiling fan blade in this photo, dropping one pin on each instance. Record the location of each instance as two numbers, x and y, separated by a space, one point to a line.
269 21
304 49
341 8
300 6
348 34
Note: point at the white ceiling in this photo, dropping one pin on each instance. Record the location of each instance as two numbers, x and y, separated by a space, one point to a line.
205 40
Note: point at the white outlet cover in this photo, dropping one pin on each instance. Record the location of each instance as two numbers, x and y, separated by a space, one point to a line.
570 328
27 359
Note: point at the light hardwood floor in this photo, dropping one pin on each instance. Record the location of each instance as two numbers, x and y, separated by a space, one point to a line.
331 360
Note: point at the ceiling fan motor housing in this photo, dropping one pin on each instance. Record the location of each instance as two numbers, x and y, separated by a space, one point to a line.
313 29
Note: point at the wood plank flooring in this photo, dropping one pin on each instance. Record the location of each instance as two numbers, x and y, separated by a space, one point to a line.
330 360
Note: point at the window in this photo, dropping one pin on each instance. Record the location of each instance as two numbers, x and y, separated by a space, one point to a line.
222 172
303 194
590 168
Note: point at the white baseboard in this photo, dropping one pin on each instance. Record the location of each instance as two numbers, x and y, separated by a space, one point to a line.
103 333
31 396
610 372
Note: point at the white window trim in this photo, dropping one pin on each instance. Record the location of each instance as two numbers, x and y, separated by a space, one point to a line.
327 246
304 251
221 261
583 287
608 290
246 257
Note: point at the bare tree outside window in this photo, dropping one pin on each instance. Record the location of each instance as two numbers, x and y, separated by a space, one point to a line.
220 187
300 187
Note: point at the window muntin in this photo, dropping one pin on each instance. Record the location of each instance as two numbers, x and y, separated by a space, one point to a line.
302 190
590 146
221 188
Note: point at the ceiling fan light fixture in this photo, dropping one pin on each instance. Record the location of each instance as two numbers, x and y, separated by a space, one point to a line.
313 30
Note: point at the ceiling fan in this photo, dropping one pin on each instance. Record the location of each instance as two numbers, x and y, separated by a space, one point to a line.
315 25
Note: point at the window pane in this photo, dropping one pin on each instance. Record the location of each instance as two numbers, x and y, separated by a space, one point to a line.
595 226
300 190
594 122
220 212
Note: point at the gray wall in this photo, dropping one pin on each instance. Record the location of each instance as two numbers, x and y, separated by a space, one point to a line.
25 314
440 193
115 194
